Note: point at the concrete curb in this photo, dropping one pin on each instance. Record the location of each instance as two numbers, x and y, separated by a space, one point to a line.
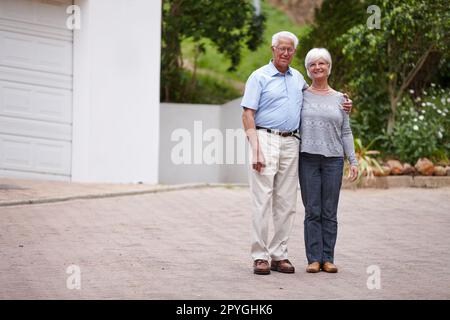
377 183
156 189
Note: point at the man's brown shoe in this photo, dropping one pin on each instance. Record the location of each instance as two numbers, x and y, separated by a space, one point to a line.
284 266
261 266
329 267
313 267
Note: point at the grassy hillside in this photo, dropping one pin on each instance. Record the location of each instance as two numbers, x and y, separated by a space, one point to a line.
215 65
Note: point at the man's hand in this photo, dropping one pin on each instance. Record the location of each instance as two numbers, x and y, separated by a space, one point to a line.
258 162
248 119
353 173
348 104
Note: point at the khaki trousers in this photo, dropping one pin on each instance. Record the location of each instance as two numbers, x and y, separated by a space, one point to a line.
274 193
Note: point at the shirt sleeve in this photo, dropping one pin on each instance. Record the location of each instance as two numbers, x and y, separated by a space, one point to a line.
347 139
252 93
303 83
305 86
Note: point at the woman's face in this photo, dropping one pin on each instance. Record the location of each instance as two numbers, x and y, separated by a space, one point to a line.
318 69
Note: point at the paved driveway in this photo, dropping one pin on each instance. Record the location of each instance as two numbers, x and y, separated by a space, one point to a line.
194 244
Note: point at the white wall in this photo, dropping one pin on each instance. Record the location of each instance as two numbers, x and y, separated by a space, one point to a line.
220 118
116 91
231 118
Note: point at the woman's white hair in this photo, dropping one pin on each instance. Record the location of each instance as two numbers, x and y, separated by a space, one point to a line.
284 34
314 55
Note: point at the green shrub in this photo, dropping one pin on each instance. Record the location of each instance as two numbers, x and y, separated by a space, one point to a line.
423 127
367 159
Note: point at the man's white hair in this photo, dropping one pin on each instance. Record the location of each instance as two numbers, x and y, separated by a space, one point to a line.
314 55
284 34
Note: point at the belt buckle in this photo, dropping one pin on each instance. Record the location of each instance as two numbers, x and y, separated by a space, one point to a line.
275 131
280 133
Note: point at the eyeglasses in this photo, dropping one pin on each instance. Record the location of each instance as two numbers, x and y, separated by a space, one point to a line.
289 50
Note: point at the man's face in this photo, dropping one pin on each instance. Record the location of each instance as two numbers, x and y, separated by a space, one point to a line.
283 53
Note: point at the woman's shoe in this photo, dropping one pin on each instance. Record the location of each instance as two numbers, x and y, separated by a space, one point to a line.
329 267
313 267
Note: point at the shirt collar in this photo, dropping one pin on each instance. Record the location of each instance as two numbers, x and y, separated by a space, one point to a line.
274 71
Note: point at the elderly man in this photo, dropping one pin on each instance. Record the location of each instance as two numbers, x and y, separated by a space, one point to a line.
272 105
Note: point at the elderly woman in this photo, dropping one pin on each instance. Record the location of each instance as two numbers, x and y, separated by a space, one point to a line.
326 139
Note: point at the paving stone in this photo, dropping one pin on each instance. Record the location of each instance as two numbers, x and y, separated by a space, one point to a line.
195 244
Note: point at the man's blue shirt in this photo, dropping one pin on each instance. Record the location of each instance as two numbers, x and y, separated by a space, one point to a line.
276 97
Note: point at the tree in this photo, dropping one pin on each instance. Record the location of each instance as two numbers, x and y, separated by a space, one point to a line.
229 24
390 60
332 20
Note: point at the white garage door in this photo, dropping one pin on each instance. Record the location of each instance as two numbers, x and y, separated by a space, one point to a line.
35 89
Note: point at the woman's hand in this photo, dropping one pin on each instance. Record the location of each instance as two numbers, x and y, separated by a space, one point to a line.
353 173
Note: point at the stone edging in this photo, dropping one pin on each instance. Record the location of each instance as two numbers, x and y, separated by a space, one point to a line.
400 182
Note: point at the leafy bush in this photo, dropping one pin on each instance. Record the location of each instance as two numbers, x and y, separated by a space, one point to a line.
423 127
367 162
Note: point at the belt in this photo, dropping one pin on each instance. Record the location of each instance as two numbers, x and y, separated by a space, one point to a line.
281 133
